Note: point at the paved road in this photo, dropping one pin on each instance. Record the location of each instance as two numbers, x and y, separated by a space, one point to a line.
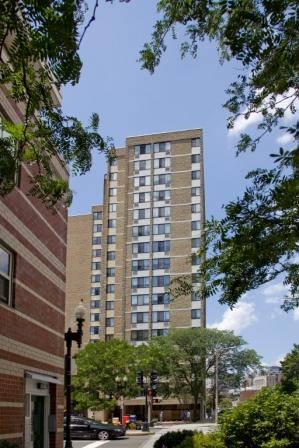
138 439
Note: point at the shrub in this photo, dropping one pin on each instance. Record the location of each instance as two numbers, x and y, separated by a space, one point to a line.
200 440
268 420
172 439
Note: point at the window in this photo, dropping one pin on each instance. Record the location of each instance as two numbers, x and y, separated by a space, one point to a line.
161 263
97 228
94 304
97 215
142 165
195 175
96 240
111 223
140 265
111 255
142 149
95 278
161 229
110 322
161 195
140 282
195 208
139 299
112 191
95 291
109 337
96 252
142 197
113 176
139 335
5 274
110 305
160 316
162 162
160 299
110 288
111 239
195 314
195 142
161 147
142 213
161 179
94 330
140 248
110 272
195 158
160 280
113 162
195 296
195 277
161 212
161 246
141 231
159 332
195 191
95 265
195 260
195 243
195 225
112 208
142 181
94 317
139 318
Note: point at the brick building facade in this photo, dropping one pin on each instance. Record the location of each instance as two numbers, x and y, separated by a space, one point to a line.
32 307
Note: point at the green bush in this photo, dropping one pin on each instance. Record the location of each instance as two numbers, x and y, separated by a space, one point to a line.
173 439
200 440
268 420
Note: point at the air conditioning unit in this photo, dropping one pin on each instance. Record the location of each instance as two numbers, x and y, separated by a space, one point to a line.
136 171
167 218
167 201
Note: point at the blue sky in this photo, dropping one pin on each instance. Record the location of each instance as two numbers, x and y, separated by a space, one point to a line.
182 94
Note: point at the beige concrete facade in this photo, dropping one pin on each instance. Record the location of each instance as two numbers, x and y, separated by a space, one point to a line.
152 220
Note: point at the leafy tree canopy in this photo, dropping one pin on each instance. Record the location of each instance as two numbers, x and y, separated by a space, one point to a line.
39 51
95 385
257 240
290 369
187 357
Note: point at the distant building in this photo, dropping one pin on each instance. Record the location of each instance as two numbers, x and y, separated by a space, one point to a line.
271 377
123 256
32 300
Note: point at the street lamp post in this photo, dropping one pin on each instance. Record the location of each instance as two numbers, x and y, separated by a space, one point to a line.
69 337
121 384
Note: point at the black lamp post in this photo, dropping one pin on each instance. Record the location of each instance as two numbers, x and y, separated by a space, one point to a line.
121 384
69 337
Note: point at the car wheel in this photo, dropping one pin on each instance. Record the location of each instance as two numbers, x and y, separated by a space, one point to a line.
103 435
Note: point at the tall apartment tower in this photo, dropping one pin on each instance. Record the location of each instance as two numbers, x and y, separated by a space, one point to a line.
151 221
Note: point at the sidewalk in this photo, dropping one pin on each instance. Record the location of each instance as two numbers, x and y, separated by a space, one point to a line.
162 428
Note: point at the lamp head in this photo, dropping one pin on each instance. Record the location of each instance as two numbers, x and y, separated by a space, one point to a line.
80 311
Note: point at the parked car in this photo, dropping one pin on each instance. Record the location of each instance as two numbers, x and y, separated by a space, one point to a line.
86 428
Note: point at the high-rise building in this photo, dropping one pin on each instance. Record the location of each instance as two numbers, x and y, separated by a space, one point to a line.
123 257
